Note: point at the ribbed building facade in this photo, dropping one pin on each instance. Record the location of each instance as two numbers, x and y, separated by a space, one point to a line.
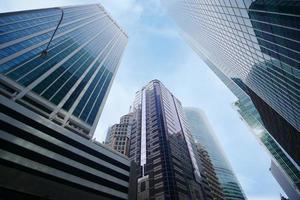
42 160
118 135
248 112
211 184
284 181
162 147
51 97
203 134
66 78
256 43
281 162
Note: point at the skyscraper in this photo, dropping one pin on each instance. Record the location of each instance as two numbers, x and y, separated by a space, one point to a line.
255 43
281 162
284 181
162 147
57 66
209 178
251 117
118 135
60 62
203 134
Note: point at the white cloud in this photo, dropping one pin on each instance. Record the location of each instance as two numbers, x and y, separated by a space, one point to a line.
15 5
126 12
165 32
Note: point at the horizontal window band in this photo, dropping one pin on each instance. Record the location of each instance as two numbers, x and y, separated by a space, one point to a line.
22 118
18 150
56 179
59 150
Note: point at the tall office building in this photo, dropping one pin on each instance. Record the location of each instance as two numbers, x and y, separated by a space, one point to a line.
284 182
256 43
162 147
281 162
118 135
66 78
210 180
251 117
47 94
203 134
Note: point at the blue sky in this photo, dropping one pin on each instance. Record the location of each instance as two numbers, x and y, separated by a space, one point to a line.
156 51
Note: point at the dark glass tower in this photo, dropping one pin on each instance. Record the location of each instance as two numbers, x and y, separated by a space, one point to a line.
203 134
65 79
47 94
162 147
257 43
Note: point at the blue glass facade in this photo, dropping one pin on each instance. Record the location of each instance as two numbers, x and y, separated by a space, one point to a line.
203 134
256 42
247 110
290 169
70 83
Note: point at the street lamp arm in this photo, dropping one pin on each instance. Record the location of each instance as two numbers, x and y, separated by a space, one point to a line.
45 51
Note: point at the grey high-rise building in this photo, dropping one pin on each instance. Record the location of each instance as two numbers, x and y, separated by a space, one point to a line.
256 44
57 66
203 134
118 135
284 181
60 62
162 147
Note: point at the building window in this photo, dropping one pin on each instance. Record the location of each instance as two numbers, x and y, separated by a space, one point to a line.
143 186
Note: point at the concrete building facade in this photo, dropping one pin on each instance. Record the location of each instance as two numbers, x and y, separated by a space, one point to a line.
118 135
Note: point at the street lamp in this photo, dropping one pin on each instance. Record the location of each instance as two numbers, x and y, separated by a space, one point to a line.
45 51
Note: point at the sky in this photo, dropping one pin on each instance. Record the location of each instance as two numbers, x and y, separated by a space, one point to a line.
155 50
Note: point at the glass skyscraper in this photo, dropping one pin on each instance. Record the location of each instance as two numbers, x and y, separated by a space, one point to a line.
65 79
161 145
251 116
280 160
57 66
257 43
203 134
